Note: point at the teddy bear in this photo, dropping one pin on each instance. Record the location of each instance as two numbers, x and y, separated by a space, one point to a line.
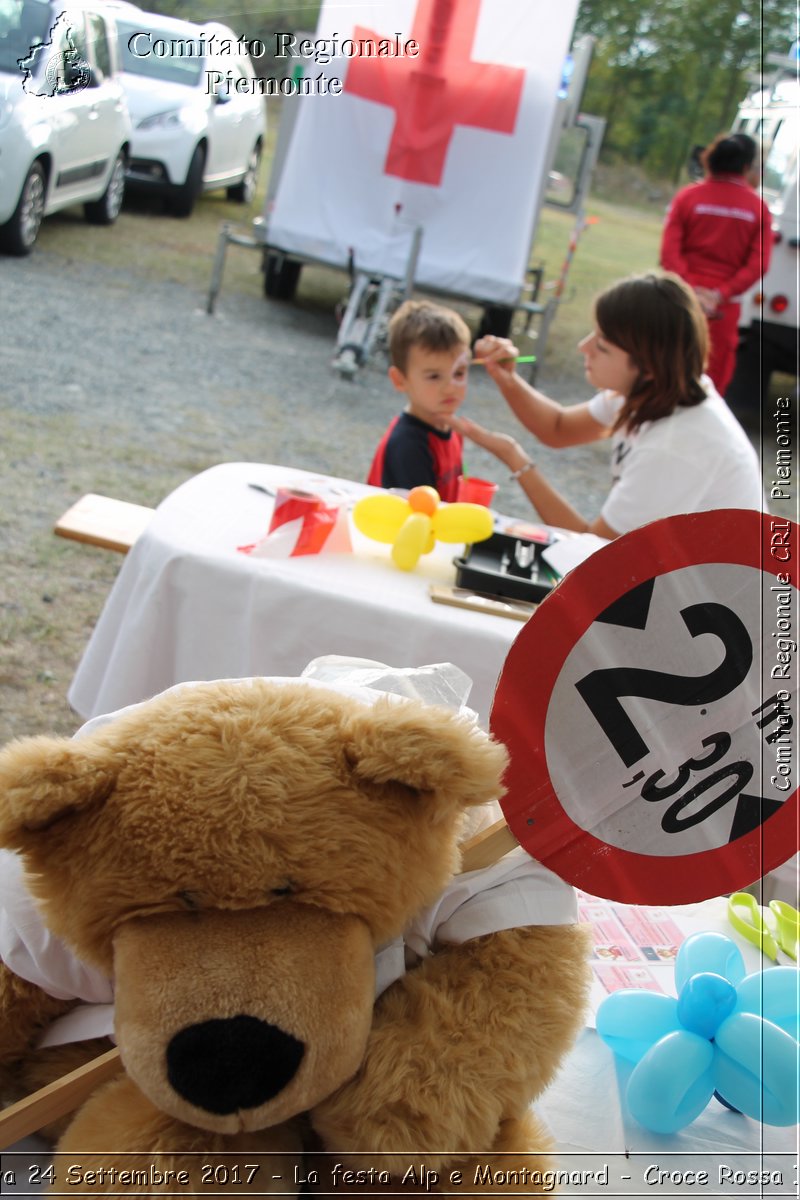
258 880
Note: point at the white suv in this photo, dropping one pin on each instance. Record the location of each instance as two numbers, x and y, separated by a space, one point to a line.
187 140
64 124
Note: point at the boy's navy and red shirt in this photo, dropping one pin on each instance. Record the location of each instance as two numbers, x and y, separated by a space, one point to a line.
412 453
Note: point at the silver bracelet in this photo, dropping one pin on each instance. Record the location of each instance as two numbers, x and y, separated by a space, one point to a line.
525 467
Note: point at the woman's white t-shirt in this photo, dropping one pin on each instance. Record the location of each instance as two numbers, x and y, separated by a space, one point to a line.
694 460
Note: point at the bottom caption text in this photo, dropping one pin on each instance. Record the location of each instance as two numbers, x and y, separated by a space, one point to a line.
272 1174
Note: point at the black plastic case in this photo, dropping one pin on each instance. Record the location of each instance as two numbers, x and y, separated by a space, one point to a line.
505 566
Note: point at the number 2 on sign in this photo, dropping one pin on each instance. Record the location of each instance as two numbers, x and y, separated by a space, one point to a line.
603 689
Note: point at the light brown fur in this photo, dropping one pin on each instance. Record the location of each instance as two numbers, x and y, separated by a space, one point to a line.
119 1115
235 854
25 1012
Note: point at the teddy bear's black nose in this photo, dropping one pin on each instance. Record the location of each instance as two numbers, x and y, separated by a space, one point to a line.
226 1065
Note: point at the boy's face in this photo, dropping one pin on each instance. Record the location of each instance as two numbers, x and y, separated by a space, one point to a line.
435 382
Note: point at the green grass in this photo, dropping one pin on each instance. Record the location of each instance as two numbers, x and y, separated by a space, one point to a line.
147 241
620 241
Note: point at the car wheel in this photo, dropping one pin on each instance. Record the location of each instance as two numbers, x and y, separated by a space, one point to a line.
245 192
281 276
106 210
20 231
184 196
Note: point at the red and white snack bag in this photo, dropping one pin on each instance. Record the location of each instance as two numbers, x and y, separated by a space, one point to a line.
302 523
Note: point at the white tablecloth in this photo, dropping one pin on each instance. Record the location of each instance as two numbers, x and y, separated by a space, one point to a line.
188 605
586 1113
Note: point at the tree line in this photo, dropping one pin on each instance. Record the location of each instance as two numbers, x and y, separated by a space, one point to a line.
666 74
669 74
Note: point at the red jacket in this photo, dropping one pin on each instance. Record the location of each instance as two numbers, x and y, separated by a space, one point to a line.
718 234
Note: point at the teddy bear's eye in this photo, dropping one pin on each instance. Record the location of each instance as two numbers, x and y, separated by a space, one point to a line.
286 890
189 900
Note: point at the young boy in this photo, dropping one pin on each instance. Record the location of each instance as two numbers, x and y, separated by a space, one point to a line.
429 349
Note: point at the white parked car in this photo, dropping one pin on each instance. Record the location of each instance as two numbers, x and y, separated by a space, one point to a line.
186 139
64 124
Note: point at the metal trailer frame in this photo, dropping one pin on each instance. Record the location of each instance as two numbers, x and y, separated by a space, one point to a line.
372 296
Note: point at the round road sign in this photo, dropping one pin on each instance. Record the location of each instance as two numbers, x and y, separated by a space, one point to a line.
649 708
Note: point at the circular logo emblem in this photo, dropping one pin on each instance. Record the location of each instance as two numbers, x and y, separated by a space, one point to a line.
67 73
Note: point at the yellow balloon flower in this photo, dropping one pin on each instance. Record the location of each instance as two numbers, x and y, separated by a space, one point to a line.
412 527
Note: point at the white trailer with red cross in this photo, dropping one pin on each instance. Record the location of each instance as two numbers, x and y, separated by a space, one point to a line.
426 165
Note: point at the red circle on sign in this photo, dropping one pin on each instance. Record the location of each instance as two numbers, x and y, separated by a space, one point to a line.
531 671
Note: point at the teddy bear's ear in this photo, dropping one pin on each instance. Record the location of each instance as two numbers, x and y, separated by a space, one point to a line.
425 748
43 780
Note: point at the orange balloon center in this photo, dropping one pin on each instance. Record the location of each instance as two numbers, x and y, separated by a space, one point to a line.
424 499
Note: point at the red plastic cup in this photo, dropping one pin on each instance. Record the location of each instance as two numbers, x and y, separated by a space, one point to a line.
472 490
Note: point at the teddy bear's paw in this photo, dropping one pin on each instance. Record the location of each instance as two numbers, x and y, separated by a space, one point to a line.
155 1154
517 1163
392 1133
329 1176
473 1034
214 1174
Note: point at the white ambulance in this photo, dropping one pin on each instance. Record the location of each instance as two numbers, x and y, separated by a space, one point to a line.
769 321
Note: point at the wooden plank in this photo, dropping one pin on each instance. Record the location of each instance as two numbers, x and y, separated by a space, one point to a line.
488 847
56 1100
498 606
102 521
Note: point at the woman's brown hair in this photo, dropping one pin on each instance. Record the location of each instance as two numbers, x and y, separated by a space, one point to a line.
658 322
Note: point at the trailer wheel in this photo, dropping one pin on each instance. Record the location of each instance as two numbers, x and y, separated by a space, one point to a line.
281 276
751 378
496 319
763 348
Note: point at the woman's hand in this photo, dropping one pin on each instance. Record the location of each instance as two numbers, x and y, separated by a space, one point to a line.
497 353
709 299
501 445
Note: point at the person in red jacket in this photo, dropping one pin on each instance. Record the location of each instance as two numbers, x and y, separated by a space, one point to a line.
717 237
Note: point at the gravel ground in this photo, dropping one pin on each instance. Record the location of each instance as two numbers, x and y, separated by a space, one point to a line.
124 386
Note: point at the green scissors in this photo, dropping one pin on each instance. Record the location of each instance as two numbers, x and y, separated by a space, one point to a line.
771 929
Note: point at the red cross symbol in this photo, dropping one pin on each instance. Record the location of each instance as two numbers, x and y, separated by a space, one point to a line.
440 89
